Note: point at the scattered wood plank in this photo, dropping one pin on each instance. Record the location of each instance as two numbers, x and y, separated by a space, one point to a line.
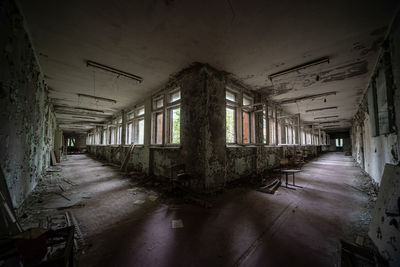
61 195
271 188
124 165
53 158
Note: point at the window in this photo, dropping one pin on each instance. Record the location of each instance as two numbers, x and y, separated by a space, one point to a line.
339 142
175 125
128 133
265 129
140 111
246 120
271 126
158 130
230 125
168 115
135 126
158 103
247 100
240 118
246 127
230 96
104 137
139 133
112 140
174 96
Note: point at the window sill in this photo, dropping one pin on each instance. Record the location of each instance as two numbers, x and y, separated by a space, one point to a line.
165 146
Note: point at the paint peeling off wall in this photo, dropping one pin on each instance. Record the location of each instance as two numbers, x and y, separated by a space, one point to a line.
27 120
372 151
138 161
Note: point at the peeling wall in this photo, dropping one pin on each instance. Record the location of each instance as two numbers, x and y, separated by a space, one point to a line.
373 152
27 121
203 149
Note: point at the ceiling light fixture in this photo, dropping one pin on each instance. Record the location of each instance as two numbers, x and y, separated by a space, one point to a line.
89 109
98 98
299 67
306 97
90 63
327 122
319 109
326 117
83 117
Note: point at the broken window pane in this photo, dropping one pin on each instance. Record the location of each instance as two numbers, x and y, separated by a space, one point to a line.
230 125
246 127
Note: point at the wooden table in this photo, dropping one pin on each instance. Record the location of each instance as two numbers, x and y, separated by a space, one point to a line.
292 172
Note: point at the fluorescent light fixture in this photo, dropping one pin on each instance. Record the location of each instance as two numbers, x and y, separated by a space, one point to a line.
83 117
319 109
300 67
327 122
326 117
98 98
302 98
89 109
93 64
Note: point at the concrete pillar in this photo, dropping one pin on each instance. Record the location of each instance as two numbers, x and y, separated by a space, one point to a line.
58 143
203 136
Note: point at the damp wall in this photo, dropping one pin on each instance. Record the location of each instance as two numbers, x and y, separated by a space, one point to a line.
372 148
27 120
203 149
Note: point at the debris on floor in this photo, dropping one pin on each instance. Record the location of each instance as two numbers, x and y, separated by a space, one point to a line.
177 224
270 188
138 202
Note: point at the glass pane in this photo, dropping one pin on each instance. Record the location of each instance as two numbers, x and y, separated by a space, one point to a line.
175 96
159 128
337 142
140 140
230 96
265 131
271 131
175 126
129 135
246 128
113 136
230 125
140 112
247 101
158 103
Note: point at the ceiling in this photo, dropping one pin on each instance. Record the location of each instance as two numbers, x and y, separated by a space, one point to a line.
250 39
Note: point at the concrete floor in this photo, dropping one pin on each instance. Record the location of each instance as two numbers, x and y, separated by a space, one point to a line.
245 227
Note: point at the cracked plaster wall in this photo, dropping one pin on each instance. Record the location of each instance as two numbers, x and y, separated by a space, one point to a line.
203 147
373 152
27 121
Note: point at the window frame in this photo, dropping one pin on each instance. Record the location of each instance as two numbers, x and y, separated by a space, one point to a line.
165 111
